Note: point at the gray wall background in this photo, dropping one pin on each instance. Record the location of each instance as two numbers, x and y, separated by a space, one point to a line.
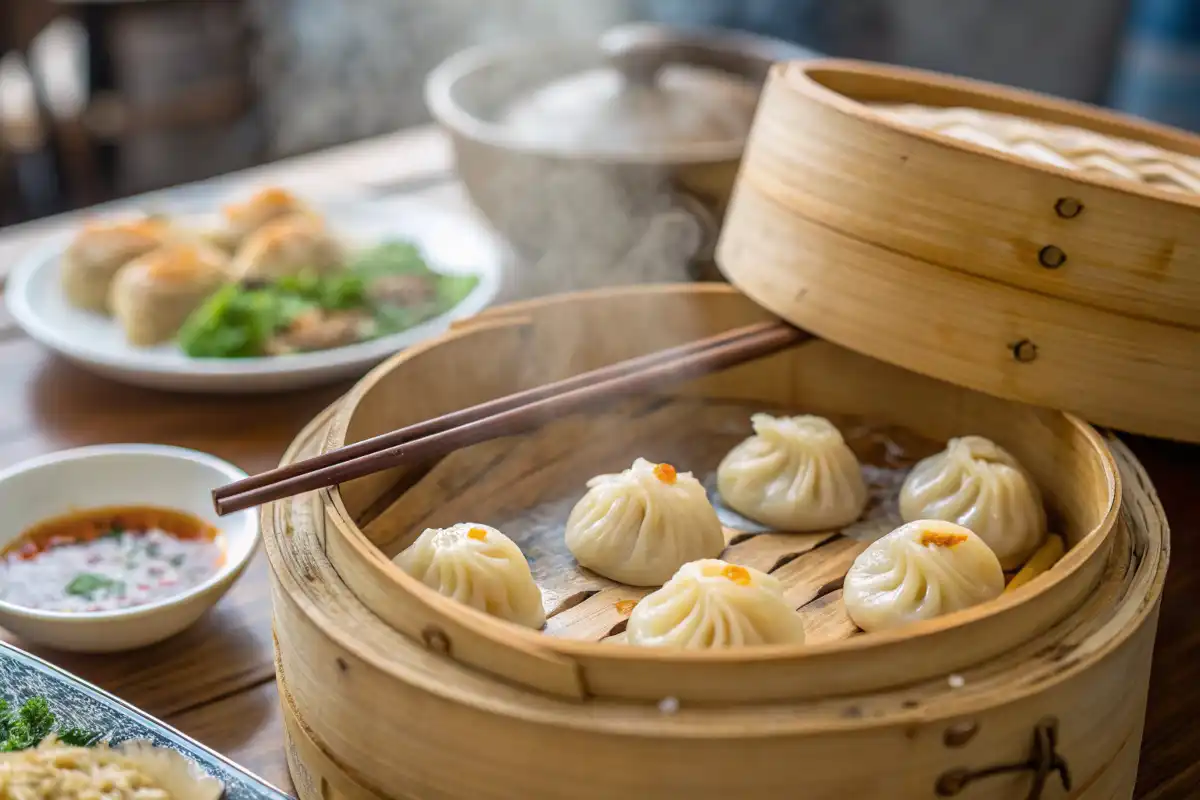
331 72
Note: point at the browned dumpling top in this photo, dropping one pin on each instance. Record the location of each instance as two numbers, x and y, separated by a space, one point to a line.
105 243
153 296
102 248
180 263
267 205
288 247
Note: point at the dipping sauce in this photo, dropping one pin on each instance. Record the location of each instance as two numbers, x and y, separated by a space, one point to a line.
107 559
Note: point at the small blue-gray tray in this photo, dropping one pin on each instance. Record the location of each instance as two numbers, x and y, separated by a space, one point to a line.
77 703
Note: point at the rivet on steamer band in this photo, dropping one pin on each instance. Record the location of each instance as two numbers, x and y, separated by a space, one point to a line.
1051 257
436 640
1068 207
1025 351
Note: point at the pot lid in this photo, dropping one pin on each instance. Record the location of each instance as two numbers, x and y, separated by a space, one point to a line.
649 90
606 109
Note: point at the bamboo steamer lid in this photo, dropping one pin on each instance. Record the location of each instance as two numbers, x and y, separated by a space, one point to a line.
1035 249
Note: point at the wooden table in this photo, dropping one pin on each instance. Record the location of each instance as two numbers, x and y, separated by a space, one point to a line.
216 682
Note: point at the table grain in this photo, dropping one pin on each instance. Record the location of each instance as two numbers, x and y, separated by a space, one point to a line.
215 682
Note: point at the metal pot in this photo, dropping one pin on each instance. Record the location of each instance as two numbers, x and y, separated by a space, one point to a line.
605 161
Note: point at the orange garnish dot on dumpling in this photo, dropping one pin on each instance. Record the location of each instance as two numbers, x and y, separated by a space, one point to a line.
935 539
478 534
624 606
739 575
665 473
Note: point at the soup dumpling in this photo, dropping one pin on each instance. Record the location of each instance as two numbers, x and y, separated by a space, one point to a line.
794 474
92 260
152 296
979 485
641 525
288 247
478 566
919 571
711 604
265 206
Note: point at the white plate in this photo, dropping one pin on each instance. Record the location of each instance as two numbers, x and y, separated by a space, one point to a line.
451 243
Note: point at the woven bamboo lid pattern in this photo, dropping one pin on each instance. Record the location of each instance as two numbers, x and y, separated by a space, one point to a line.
1058 145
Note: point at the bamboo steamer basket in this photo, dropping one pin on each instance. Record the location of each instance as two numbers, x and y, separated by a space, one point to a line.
391 691
1035 249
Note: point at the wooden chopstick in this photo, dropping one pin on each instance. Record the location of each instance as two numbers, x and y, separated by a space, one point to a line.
508 415
486 409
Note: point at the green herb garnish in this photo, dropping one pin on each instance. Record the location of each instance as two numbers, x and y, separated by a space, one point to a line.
78 737
32 723
239 321
391 258
86 584
26 729
339 292
236 322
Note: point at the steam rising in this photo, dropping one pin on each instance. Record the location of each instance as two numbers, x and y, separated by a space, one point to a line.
351 69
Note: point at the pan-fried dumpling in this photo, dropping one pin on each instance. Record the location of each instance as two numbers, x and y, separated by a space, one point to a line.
478 566
639 526
793 474
152 296
919 571
711 604
288 247
265 206
93 258
979 485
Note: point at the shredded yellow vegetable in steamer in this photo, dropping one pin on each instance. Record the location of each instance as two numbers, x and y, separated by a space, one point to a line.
1041 561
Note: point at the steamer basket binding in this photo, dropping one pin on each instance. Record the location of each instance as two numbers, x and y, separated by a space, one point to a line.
525 487
1008 247
943 737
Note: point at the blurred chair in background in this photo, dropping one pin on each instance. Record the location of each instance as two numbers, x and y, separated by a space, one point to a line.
171 92
101 98
45 160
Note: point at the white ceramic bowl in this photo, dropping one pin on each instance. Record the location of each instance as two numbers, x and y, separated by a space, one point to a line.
121 475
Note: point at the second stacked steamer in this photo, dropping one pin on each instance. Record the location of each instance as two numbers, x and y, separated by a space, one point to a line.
1034 249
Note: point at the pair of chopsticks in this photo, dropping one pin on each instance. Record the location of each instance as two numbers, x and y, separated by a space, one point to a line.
505 416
